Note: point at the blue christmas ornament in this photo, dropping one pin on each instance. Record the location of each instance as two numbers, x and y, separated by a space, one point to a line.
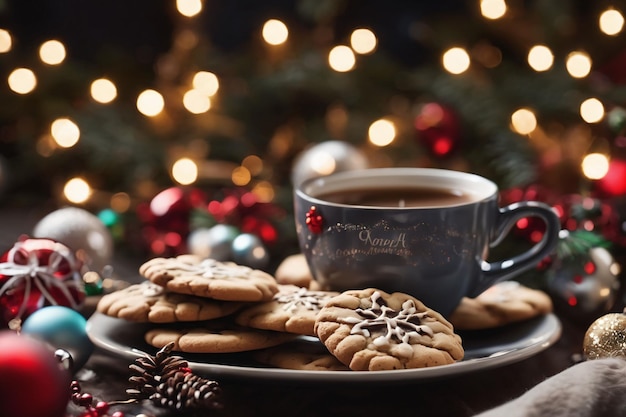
62 328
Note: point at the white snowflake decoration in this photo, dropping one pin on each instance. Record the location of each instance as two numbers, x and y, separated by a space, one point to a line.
210 268
310 300
400 325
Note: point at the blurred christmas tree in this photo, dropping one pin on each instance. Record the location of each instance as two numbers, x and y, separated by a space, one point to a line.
207 110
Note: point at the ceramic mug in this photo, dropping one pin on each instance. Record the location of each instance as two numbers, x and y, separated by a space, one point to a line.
424 232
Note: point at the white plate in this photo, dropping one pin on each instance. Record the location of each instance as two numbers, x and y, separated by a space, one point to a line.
483 350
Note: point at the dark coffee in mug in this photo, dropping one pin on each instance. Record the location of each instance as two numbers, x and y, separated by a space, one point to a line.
400 196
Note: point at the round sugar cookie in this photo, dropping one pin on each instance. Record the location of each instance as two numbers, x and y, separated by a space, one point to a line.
372 330
148 302
293 309
215 336
191 274
503 303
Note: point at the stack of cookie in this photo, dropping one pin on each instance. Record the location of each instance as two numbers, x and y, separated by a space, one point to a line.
192 301
282 320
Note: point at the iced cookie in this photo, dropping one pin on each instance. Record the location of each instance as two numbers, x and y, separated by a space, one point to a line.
293 309
372 330
149 302
299 356
190 274
503 303
215 336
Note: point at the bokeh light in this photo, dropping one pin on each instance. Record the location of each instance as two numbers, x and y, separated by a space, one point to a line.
595 166
324 163
22 80
185 171
77 190
120 202
253 163
523 121
492 9
341 58
382 132
578 64
275 32
611 22
196 102
540 58
103 90
6 41
592 110
363 41
150 103
52 52
65 132
264 191
241 176
456 60
206 82
189 8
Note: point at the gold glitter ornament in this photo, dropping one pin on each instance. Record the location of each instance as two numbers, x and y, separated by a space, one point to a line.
606 337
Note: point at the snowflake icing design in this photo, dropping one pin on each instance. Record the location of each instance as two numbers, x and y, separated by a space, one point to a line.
210 268
301 297
399 325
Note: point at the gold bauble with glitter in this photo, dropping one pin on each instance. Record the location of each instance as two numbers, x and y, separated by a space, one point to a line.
606 337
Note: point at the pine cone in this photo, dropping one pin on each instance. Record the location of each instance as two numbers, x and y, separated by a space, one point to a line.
151 371
187 391
168 382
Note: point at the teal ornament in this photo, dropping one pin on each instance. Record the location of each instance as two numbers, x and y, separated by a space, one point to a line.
249 250
62 328
214 242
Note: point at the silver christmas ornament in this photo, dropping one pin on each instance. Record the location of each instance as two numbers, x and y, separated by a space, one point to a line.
327 158
82 232
586 288
214 242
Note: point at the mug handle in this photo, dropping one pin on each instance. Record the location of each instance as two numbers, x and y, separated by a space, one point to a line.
497 271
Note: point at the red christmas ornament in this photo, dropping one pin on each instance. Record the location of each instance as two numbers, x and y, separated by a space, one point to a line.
314 220
438 129
262 228
613 184
165 219
37 273
32 381
242 209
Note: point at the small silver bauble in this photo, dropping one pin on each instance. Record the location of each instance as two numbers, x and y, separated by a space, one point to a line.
82 232
587 292
327 158
214 242
249 250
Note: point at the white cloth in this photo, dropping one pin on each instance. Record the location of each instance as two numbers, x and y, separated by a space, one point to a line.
594 388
